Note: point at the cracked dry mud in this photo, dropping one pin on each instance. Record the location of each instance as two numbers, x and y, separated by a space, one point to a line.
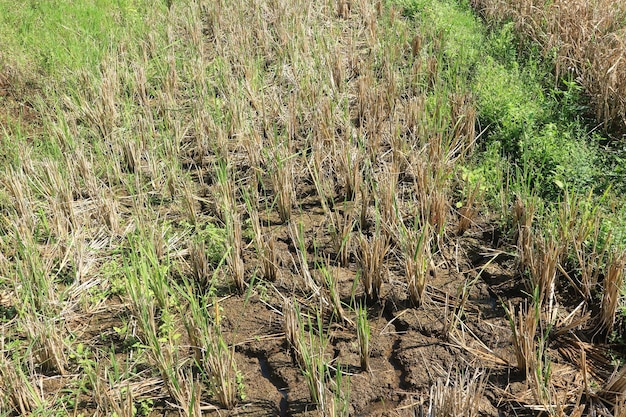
411 348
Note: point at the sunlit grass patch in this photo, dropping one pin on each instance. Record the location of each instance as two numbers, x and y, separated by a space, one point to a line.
62 36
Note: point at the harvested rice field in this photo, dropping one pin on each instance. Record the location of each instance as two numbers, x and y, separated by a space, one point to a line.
294 208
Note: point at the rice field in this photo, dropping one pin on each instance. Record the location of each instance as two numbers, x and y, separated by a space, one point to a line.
291 207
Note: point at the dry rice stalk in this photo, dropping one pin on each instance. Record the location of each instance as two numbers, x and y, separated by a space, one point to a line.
613 283
589 258
282 175
131 156
597 361
292 331
615 388
540 256
418 262
349 160
468 211
232 223
84 167
387 195
531 352
269 258
47 344
296 233
219 363
341 233
98 104
199 264
371 255
117 403
584 40
431 189
365 203
265 244
235 243
524 328
523 216
322 173
16 182
416 45
543 262
458 395
108 210
59 193
438 210
619 410
580 226
190 203
17 393
463 121
329 278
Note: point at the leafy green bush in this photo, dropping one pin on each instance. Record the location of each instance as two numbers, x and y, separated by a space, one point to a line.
560 160
508 108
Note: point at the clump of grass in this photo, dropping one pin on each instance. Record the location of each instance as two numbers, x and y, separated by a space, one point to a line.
315 373
418 260
363 335
282 175
530 347
152 303
329 278
341 226
296 232
524 329
213 356
232 224
315 366
308 341
341 391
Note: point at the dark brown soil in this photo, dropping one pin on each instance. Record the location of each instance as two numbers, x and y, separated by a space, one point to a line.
411 348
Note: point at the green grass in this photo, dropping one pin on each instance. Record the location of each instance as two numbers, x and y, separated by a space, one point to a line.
61 37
